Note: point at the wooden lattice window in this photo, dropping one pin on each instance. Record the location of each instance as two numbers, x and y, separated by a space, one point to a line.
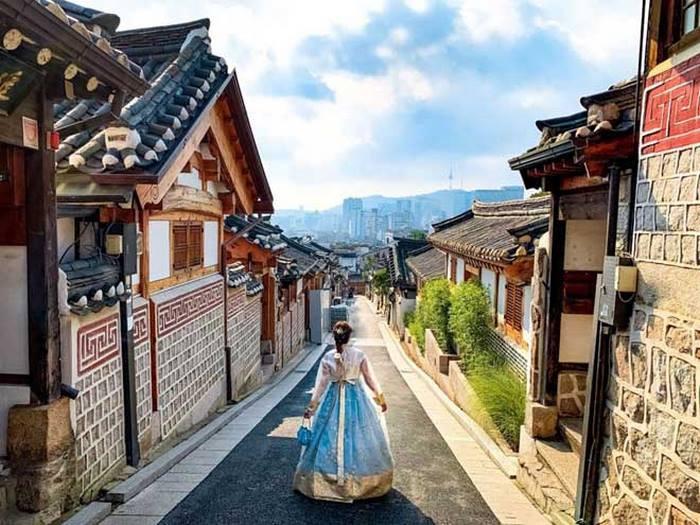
187 245
514 306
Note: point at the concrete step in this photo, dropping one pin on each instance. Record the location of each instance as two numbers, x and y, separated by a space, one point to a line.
571 428
562 461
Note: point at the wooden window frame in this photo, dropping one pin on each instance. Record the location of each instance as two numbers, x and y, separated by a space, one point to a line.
194 254
665 36
513 315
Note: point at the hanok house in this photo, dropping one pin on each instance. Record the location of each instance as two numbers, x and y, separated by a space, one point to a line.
302 271
45 56
253 246
587 162
143 185
426 264
649 413
402 296
494 243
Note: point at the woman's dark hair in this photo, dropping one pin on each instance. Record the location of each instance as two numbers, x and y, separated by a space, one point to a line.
341 334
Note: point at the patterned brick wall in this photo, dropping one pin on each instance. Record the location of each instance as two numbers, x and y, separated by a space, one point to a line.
667 223
244 330
99 409
189 347
651 461
142 349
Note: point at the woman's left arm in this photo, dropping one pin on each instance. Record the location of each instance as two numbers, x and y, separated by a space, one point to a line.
372 383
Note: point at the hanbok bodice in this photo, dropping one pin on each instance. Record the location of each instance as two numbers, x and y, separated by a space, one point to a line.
348 366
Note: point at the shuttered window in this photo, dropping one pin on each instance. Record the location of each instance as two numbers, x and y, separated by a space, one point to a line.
187 245
514 306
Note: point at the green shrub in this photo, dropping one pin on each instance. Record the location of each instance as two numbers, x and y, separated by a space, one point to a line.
408 317
470 316
434 312
502 393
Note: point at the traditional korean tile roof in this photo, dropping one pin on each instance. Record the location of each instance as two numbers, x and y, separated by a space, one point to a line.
427 263
92 284
485 231
605 113
238 276
259 232
184 78
71 43
401 249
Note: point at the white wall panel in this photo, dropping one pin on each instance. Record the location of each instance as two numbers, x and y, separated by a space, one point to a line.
159 250
14 325
211 243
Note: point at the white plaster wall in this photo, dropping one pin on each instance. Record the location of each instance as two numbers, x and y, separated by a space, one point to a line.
527 300
488 279
576 345
501 307
190 179
159 247
10 395
460 271
65 236
584 249
211 243
450 277
14 356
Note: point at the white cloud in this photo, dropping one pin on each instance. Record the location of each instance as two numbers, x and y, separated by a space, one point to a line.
601 32
536 97
419 6
485 20
399 35
314 133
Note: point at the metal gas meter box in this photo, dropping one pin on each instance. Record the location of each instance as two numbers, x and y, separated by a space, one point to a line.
617 290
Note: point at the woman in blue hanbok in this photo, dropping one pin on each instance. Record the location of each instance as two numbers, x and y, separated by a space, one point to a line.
348 456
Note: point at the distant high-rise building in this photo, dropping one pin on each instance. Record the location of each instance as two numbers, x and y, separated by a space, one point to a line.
352 218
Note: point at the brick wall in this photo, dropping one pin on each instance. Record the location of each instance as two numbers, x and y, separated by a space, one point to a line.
189 339
651 461
99 409
142 351
244 331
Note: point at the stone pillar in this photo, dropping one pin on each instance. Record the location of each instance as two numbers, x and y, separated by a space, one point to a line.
40 446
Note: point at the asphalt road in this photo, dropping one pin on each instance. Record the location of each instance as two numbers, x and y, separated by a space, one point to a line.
254 482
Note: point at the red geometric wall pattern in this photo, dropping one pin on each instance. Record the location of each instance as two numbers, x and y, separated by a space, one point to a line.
140 325
98 342
672 108
179 311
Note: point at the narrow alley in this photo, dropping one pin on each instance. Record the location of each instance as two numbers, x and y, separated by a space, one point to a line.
253 482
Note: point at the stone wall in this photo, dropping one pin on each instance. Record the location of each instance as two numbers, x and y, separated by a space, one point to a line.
244 330
142 351
651 460
189 339
99 409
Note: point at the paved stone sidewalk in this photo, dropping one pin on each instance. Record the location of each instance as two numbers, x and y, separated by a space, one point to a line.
243 474
501 494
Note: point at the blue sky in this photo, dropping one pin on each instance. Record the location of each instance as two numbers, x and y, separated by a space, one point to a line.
352 98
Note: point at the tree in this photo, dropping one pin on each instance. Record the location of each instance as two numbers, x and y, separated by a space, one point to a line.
418 235
381 283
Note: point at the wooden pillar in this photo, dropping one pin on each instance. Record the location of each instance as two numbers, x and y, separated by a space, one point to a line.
557 232
42 265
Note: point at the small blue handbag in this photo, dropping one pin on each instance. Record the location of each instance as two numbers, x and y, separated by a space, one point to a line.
304 433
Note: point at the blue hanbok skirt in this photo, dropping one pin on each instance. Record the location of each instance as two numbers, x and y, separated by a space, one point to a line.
349 456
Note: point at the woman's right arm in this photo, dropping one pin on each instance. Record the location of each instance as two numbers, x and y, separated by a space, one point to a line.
322 380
